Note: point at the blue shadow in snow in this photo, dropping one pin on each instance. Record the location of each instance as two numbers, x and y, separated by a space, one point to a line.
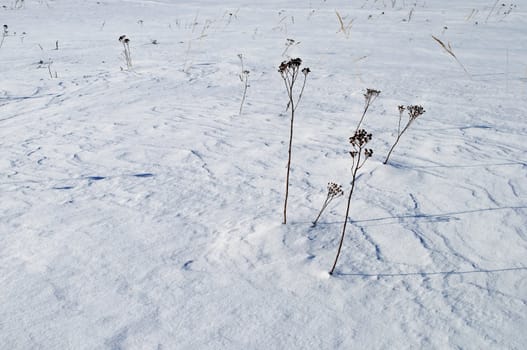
423 274
144 175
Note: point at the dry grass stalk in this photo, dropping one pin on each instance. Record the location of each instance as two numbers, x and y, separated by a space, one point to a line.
449 50
345 29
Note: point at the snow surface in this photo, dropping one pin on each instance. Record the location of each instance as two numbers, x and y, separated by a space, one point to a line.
139 211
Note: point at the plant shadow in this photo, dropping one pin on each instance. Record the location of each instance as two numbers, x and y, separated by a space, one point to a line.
433 273
442 217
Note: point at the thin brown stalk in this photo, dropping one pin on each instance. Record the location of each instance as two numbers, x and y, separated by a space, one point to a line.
358 142
449 50
289 71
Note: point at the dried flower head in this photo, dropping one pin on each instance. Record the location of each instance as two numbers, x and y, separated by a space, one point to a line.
360 138
334 189
306 71
295 62
371 93
368 152
283 67
126 40
415 111
122 37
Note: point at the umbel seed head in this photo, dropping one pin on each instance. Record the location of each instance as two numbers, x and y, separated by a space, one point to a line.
334 189
283 67
293 63
415 111
371 93
360 138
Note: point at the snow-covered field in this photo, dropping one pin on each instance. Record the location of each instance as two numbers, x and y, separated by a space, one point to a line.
139 210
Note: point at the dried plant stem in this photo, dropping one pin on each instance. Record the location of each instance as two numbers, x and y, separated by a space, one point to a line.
345 29
363 115
413 112
244 77
127 55
369 97
5 33
245 86
288 167
410 15
492 10
334 191
301 90
324 206
356 166
289 85
358 142
449 50
49 69
289 71
126 50
395 143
